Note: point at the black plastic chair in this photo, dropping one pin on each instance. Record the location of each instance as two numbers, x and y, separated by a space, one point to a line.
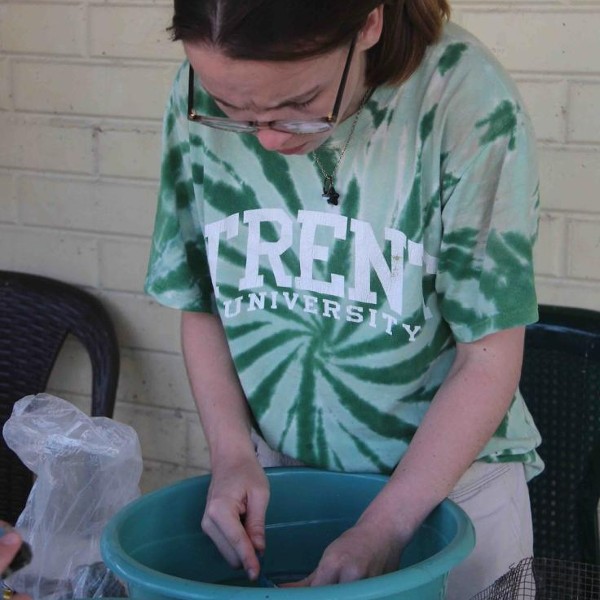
561 385
36 315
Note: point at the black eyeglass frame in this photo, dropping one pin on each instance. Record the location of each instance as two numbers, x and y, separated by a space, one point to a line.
327 122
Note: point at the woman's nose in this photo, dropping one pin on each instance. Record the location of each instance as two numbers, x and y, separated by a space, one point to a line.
273 140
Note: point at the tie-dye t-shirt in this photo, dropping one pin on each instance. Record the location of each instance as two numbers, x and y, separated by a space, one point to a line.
342 320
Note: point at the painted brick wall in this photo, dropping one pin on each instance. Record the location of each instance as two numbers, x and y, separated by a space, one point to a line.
82 88
553 51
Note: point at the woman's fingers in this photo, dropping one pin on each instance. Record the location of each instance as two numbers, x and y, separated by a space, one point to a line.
234 517
341 571
306 582
223 524
254 522
236 551
331 570
228 552
359 553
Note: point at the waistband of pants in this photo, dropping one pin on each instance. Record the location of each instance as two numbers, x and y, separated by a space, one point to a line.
478 475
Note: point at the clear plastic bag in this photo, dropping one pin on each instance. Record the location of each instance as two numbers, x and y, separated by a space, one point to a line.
87 468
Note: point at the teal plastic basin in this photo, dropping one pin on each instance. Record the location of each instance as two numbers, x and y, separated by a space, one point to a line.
156 546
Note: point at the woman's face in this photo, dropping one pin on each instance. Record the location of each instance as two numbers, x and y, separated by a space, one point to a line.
267 91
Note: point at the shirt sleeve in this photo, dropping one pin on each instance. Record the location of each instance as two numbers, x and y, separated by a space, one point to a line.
490 204
178 275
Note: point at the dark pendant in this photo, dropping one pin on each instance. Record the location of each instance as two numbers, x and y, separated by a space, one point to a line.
329 192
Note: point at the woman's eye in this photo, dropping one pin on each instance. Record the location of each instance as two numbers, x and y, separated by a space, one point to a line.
228 110
302 105
236 113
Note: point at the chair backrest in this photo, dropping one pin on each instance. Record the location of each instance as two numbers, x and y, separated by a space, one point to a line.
561 385
36 315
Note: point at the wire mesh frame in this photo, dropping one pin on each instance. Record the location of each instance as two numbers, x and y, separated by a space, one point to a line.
545 579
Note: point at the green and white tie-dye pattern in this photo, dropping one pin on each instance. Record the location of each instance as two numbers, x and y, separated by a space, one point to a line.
342 321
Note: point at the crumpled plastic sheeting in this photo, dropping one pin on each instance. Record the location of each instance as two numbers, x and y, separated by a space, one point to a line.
87 469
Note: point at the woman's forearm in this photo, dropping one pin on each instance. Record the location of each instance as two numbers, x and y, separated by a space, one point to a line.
221 403
463 416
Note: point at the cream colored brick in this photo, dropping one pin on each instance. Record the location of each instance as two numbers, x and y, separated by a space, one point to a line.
8 206
196 471
197 448
72 371
550 247
115 91
568 292
36 145
546 103
123 264
162 433
570 179
41 29
95 206
584 249
584 120
155 379
58 254
157 475
130 153
538 40
143 323
5 98
111 33
140 2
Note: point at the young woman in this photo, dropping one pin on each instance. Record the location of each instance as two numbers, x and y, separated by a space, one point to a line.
347 210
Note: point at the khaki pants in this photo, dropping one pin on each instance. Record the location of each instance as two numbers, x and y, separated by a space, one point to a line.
496 498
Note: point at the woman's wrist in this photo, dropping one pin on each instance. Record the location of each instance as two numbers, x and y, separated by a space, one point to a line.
394 523
397 509
231 447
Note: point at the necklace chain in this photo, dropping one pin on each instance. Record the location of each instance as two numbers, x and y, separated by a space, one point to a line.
329 192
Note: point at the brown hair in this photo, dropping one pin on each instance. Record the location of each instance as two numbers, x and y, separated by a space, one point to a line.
282 30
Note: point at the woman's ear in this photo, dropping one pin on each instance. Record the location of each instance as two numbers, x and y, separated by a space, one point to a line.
370 33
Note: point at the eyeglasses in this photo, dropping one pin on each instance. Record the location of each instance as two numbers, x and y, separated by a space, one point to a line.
295 126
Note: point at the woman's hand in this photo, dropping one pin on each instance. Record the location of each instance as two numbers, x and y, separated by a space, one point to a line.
239 492
10 542
366 550
235 512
